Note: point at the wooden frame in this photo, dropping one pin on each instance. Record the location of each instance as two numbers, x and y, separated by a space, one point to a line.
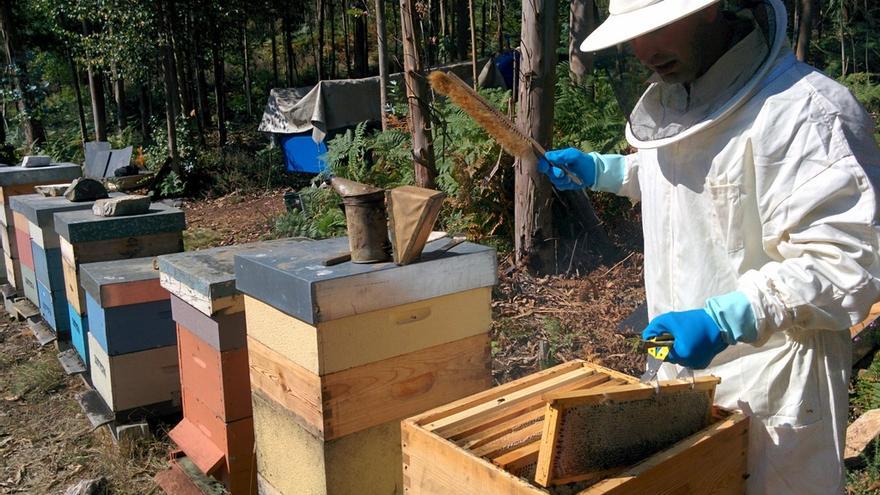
481 443
560 403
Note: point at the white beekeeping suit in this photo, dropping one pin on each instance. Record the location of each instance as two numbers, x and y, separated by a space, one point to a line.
770 195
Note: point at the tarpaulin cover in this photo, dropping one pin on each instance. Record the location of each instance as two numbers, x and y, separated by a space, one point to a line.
301 153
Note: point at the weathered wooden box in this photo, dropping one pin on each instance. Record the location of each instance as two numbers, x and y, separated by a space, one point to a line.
87 238
136 379
216 432
339 355
474 445
16 181
128 310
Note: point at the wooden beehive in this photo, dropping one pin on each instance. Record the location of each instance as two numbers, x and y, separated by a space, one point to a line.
489 443
46 248
16 181
216 432
87 238
338 356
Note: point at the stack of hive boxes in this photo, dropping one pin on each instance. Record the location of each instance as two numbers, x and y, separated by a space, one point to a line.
16 181
217 431
339 355
39 212
132 339
25 257
88 238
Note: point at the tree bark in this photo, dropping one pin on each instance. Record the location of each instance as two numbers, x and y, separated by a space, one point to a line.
581 22
34 132
473 43
332 8
274 36
533 194
80 112
461 29
171 105
119 97
319 52
144 107
288 47
417 97
345 48
203 107
383 60
499 34
805 30
361 44
219 83
247 71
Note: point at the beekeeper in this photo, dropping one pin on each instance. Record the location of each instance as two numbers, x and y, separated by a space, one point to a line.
754 172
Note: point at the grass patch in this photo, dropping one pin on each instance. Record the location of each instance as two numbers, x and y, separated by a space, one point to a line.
36 377
199 238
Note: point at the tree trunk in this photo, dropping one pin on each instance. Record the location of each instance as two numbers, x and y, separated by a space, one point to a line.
119 97
483 27
581 22
461 29
499 34
473 23
805 31
417 97
171 104
533 194
80 112
383 61
361 44
247 71
219 82
144 107
34 132
332 7
274 36
99 111
288 47
319 52
203 107
345 30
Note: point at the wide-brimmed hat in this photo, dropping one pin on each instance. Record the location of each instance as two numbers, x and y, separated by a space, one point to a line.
630 19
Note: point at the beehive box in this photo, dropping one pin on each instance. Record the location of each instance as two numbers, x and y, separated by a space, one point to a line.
15 181
45 247
128 309
480 444
339 355
88 238
216 432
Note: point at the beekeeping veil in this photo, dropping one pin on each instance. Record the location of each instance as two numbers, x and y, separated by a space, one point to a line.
661 113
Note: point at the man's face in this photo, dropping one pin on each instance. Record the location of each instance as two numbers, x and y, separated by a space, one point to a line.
677 52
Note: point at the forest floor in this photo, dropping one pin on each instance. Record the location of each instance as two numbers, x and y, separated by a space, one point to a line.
47 444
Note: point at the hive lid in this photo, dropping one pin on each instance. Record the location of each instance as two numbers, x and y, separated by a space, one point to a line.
84 226
130 272
294 280
40 209
56 172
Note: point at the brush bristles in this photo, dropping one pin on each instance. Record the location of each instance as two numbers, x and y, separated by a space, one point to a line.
487 117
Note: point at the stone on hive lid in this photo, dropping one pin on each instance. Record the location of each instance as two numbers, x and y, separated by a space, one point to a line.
85 189
36 161
52 190
133 204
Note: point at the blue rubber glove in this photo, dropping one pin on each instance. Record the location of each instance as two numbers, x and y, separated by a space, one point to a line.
580 164
698 338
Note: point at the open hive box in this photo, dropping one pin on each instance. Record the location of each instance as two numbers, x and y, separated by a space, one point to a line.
489 443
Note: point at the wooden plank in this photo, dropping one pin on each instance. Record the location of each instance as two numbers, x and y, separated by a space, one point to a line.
517 459
710 461
76 296
204 454
122 248
859 435
401 386
515 439
336 345
547 448
208 306
498 415
449 424
434 466
138 292
222 332
496 393
288 384
23 248
7 192
636 391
